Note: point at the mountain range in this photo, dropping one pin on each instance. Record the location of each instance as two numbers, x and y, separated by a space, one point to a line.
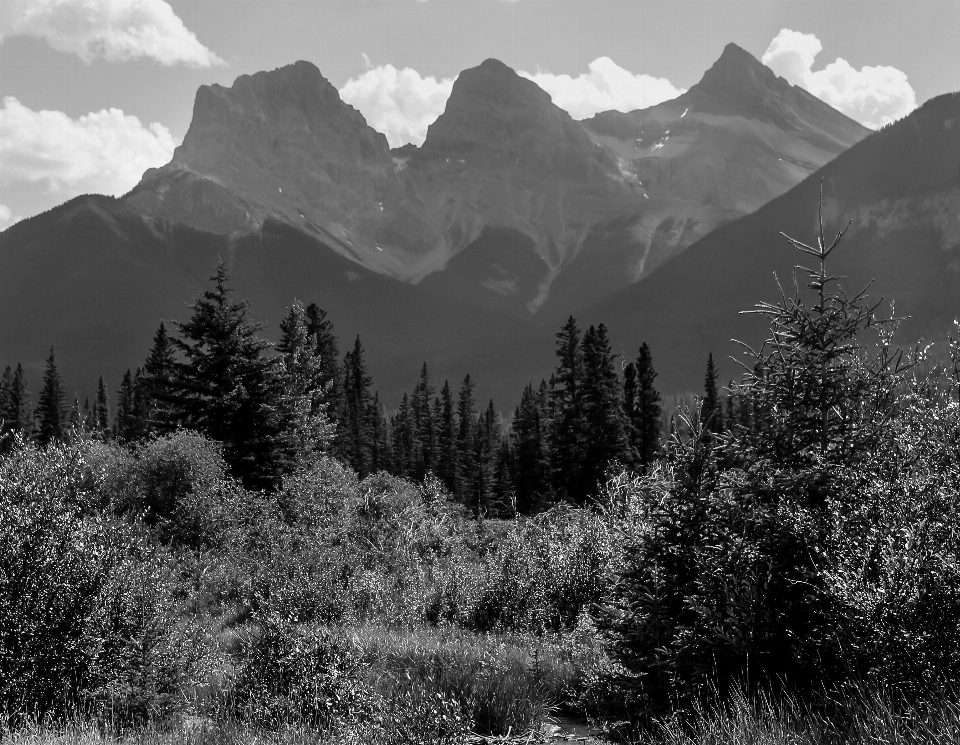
469 250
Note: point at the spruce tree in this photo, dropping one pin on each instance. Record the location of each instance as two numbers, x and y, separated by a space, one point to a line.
306 429
328 352
51 406
404 439
711 410
531 459
124 424
158 372
354 435
19 413
448 468
466 442
101 412
568 435
227 388
605 422
380 450
424 425
648 409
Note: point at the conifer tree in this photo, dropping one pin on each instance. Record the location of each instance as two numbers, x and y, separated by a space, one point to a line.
568 434
648 409
307 430
101 412
531 459
124 425
158 372
51 406
18 414
380 451
424 425
711 410
447 435
404 441
227 388
466 442
355 423
606 425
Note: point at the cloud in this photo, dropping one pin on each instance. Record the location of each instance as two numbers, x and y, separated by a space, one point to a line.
605 86
6 217
111 30
399 103
874 96
403 103
103 152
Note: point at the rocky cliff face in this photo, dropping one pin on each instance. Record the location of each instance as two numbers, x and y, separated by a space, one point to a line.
600 203
283 143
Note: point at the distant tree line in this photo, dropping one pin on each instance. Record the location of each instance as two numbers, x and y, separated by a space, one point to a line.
216 375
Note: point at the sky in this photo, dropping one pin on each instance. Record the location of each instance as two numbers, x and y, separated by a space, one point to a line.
94 92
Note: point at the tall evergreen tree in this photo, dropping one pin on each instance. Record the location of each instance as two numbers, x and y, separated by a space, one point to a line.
606 424
307 429
328 352
380 450
101 412
531 458
51 406
448 468
404 439
18 416
227 388
158 373
466 442
711 409
424 424
354 437
124 425
648 410
568 435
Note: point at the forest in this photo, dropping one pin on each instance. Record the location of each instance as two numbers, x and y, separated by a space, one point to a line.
243 545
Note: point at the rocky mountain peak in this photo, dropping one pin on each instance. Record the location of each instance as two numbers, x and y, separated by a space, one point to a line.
495 113
738 70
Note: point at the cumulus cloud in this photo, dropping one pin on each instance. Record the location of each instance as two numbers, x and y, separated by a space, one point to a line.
403 103
399 103
103 152
874 96
6 217
603 87
111 30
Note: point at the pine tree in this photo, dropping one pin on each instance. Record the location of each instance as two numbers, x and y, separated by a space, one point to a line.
568 435
306 431
380 450
606 424
101 412
158 372
648 409
466 442
227 388
124 425
18 415
424 425
448 468
711 410
354 436
51 406
328 352
531 459
404 440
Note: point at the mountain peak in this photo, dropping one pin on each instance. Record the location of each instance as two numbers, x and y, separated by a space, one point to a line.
736 69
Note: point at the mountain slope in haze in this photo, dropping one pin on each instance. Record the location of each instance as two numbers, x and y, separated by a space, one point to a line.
900 187
735 140
603 202
94 277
